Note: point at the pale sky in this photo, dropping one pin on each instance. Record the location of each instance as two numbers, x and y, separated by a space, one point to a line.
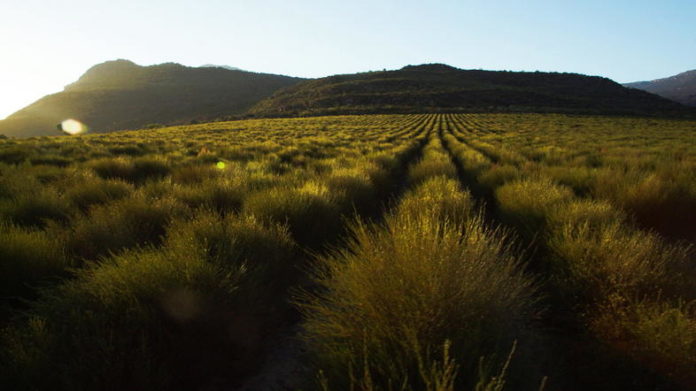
49 44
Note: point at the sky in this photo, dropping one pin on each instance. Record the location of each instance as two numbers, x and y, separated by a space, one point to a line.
48 44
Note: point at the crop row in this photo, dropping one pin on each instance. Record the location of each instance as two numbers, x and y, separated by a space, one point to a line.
166 272
628 288
647 170
431 298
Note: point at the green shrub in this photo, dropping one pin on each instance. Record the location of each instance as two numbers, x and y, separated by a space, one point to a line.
57 161
14 154
122 224
660 335
611 259
498 175
49 174
473 162
353 190
118 168
28 259
263 180
194 174
311 216
604 256
146 168
440 198
585 211
666 203
137 170
143 320
36 210
239 242
526 203
221 196
88 194
395 296
431 166
17 183
130 150
578 178
382 176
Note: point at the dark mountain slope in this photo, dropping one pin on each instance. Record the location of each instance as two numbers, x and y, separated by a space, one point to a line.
437 87
679 88
120 95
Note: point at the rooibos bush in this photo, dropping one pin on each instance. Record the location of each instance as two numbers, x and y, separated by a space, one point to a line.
37 209
392 299
145 319
311 216
88 194
526 203
122 224
136 170
28 259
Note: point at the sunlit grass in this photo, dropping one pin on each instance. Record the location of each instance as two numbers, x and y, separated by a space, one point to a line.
120 225
162 259
398 294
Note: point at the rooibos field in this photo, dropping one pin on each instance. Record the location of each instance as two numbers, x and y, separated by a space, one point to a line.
433 252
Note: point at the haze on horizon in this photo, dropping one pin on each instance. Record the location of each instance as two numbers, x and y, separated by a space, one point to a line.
47 45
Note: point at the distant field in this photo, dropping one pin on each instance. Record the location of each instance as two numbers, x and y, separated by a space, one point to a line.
375 252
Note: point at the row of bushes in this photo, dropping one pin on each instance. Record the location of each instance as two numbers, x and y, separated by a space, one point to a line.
174 283
629 287
429 299
644 168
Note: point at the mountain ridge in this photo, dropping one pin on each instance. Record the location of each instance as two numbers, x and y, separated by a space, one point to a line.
679 88
438 87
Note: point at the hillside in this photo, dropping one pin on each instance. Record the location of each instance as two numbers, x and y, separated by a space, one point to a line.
679 88
121 95
438 87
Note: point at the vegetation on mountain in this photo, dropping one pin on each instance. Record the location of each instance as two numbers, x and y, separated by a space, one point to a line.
442 88
122 95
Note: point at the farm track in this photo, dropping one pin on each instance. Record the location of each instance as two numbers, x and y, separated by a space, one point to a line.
286 365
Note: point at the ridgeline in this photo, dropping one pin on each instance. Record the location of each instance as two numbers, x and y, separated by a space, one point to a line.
442 88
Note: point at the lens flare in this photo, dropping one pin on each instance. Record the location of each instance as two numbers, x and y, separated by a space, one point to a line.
73 126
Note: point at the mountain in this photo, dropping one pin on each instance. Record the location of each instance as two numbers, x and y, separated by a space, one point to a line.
122 95
679 88
439 87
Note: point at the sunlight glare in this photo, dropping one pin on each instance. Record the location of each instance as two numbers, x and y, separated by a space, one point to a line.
72 126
